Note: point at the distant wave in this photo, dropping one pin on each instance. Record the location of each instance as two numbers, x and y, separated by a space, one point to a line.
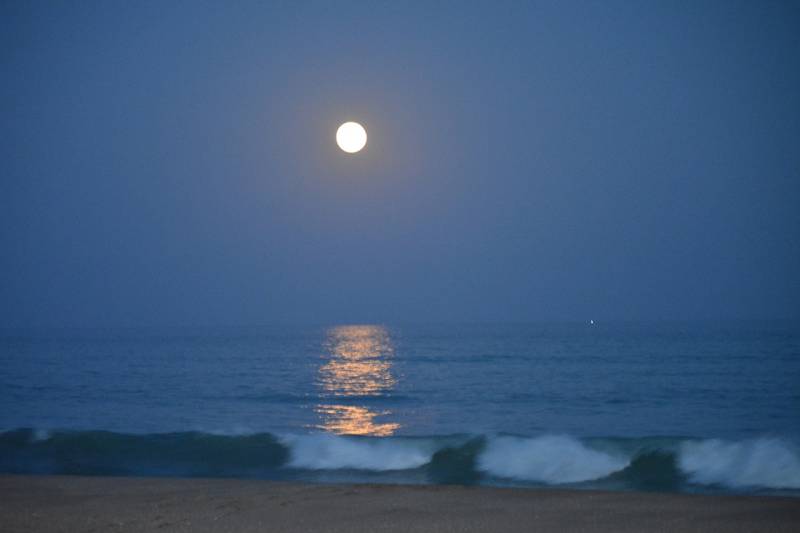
676 464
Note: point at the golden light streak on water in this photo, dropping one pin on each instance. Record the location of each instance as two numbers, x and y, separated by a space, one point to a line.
358 364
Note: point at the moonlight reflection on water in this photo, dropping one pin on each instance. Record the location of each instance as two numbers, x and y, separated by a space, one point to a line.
358 366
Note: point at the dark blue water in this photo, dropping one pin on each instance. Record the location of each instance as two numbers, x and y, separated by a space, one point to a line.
686 407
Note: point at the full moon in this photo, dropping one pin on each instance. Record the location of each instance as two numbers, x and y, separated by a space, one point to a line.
351 137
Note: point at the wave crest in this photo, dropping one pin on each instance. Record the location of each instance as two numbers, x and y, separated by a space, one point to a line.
770 463
330 452
550 459
655 463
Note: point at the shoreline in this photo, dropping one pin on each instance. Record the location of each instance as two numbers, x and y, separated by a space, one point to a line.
76 503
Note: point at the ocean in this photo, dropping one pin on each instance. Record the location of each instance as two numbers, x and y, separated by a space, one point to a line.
683 407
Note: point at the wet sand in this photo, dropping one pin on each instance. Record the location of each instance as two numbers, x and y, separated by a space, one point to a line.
67 503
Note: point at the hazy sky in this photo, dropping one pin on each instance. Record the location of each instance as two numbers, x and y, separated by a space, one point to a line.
174 163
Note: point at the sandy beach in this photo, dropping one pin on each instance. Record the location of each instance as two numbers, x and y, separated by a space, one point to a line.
67 503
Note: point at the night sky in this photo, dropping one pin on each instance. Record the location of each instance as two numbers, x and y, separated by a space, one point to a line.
174 163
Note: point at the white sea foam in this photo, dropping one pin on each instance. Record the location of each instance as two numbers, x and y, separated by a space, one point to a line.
770 463
327 452
557 459
550 458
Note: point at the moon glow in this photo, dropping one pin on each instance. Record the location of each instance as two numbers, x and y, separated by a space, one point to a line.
351 137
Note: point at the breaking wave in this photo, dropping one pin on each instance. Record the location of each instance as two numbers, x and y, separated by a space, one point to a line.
758 463
674 464
550 459
329 452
